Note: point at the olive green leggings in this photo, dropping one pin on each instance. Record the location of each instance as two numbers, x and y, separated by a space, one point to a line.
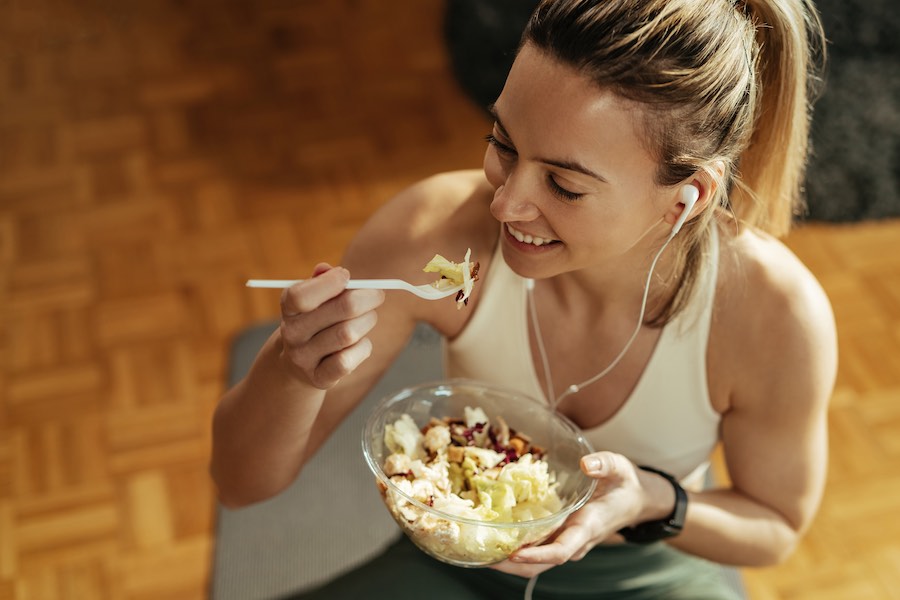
652 572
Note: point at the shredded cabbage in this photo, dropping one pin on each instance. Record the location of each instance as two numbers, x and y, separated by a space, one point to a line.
454 274
403 437
490 484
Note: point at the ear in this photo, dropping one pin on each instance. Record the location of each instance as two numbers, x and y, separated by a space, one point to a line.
692 196
690 193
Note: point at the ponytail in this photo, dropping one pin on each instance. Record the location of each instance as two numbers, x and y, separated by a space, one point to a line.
768 192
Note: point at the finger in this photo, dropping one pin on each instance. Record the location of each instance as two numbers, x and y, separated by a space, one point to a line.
598 464
308 352
608 468
335 367
336 312
566 544
321 268
343 334
520 569
308 295
576 541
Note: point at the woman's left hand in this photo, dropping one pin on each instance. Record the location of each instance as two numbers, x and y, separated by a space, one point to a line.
619 500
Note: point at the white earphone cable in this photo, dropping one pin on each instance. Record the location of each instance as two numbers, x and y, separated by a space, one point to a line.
574 389
532 309
529 589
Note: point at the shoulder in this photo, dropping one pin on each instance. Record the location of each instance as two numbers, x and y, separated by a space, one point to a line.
771 282
442 204
774 325
445 214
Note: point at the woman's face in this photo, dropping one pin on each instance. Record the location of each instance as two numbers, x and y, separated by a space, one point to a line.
574 184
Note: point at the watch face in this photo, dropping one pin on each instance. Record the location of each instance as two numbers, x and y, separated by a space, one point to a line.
670 530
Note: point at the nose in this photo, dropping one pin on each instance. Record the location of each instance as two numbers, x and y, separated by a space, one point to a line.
512 203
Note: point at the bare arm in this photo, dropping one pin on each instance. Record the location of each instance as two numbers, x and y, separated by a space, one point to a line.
782 348
334 344
265 427
775 433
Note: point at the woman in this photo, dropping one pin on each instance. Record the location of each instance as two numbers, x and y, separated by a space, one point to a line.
643 154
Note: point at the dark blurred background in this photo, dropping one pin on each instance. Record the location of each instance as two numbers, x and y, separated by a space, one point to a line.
854 173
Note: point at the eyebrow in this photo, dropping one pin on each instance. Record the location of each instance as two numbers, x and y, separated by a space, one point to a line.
569 165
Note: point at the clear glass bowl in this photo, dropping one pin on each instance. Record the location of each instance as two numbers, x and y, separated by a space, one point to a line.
478 543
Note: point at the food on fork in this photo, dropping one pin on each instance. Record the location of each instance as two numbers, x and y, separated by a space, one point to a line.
454 274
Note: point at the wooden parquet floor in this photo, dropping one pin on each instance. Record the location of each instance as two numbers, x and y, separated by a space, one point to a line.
155 154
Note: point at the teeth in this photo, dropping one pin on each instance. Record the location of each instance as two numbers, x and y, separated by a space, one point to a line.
527 238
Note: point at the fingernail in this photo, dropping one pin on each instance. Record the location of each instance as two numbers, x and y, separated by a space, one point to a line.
592 464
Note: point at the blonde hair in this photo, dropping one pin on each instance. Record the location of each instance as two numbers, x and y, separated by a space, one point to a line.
722 82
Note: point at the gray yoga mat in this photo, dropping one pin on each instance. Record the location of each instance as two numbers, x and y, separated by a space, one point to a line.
332 518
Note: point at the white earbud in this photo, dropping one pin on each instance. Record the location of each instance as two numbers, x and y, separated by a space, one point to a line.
689 196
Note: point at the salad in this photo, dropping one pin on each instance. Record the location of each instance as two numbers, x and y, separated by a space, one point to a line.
454 274
473 469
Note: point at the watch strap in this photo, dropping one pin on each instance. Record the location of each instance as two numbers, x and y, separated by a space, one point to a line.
660 529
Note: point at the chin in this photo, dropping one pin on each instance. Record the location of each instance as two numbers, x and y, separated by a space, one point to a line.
528 267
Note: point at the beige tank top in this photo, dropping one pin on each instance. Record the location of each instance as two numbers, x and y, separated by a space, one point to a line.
668 421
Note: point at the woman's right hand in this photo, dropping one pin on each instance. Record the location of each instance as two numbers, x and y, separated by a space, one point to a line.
324 326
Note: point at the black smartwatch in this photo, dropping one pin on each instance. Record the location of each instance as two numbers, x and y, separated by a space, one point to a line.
670 526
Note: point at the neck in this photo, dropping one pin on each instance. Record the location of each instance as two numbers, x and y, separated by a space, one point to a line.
618 286
576 387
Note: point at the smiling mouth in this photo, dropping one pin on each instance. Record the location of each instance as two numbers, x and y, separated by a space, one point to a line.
526 238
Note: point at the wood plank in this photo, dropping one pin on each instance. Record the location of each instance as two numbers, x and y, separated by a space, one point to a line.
155 156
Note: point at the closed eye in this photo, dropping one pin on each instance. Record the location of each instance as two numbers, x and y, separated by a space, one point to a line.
500 146
561 191
510 152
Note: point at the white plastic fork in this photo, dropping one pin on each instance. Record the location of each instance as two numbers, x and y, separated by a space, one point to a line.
427 291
